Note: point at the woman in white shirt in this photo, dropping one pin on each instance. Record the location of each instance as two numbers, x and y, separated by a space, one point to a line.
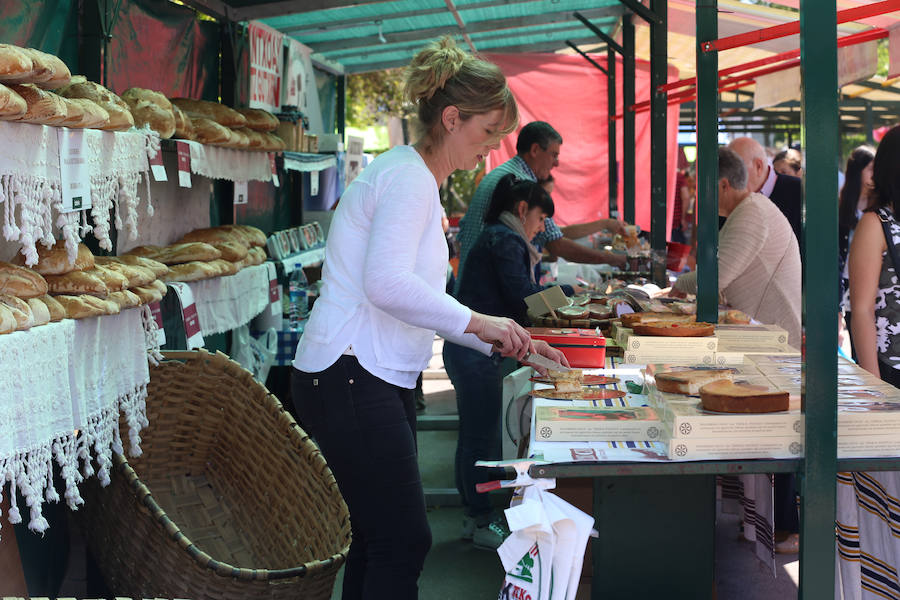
371 330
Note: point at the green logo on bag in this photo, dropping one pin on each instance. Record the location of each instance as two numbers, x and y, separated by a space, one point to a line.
525 565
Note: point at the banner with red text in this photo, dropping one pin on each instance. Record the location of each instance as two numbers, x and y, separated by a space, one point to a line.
266 59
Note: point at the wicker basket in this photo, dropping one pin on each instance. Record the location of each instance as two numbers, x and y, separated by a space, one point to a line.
230 499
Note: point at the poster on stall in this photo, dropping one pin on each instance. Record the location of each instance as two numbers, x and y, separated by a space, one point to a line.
266 57
299 85
354 157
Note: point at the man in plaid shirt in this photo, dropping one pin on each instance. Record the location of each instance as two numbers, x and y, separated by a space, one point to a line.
537 152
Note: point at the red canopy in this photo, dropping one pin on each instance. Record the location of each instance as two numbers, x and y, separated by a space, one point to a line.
570 94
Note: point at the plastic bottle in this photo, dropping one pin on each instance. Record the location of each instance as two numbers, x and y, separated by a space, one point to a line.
297 299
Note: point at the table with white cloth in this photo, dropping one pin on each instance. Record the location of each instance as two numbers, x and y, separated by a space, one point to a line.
63 387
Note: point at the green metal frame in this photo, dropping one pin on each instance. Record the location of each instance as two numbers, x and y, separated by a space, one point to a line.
707 163
628 143
659 65
613 172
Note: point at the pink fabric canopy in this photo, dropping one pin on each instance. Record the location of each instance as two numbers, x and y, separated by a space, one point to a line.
570 94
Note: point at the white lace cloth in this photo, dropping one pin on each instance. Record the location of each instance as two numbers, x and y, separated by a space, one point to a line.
226 163
224 303
59 378
30 195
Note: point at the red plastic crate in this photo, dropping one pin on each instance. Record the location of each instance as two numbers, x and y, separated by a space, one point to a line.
584 348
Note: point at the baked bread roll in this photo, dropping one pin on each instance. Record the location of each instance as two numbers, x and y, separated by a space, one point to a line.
254 234
191 271
74 113
239 139
81 307
15 64
152 109
730 397
690 381
257 255
77 283
183 128
12 105
20 310
55 260
21 282
57 312
254 140
120 119
61 75
157 268
135 275
259 120
117 114
7 320
147 294
225 267
40 312
214 235
207 131
674 329
45 108
214 111
94 116
187 252
272 143
160 286
125 299
231 251
113 280
147 251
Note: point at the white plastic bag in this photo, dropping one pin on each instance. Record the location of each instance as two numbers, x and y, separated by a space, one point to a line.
255 355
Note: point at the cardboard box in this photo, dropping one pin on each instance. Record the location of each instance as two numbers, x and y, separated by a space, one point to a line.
292 134
752 335
672 357
590 423
868 446
727 359
677 345
736 448
687 420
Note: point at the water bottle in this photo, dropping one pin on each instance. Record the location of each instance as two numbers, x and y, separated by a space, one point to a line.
297 299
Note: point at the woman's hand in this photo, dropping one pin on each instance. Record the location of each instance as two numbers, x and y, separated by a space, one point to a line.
544 349
615 226
508 337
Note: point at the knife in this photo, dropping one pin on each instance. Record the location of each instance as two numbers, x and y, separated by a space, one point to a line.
544 362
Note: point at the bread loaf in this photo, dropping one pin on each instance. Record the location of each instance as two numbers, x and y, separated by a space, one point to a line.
125 299
20 310
152 109
120 119
39 311
94 116
57 312
147 250
147 294
214 235
254 139
160 286
256 255
730 397
15 64
157 268
272 143
77 283
191 271
55 260
259 120
239 139
61 75
113 280
207 131
187 252
183 128
7 320
254 234
45 108
12 105
82 307
219 113
80 87
689 381
225 267
74 113
21 282
134 274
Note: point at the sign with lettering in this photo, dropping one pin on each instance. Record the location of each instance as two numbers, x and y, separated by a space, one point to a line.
266 60
73 172
157 169
184 164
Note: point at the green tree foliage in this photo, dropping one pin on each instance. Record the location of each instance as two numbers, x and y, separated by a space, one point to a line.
374 97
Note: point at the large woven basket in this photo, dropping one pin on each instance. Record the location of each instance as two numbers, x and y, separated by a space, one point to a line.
230 499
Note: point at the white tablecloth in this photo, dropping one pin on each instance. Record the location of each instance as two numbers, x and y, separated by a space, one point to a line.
224 303
226 163
59 378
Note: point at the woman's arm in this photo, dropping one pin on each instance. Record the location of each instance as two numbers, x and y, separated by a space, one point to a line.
865 268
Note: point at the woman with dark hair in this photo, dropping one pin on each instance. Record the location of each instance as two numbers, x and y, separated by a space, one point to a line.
854 200
874 293
498 275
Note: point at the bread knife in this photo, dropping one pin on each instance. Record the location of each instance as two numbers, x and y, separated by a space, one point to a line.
544 362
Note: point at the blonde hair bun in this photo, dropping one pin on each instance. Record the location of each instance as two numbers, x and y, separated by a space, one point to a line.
432 67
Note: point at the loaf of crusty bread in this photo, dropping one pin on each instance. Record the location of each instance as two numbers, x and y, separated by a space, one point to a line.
113 280
191 271
82 307
730 397
125 299
212 235
183 128
215 111
690 381
7 320
147 250
207 131
151 108
55 260
117 114
157 268
147 294
57 312
254 234
93 116
239 139
136 275
254 140
21 311
225 267
45 108
258 119
12 105
21 281
160 286
256 255
39 311
77 283
187 252
15 64
60 75
272 143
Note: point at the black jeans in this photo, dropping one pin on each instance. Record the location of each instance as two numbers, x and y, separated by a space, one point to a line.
366 429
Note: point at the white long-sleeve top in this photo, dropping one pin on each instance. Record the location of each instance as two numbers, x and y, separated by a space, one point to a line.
384 276
759 266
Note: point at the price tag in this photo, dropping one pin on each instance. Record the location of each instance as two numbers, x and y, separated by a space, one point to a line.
274 297
73 173
240 192
274 170
157 316
188 314
184 164
157 169
314 183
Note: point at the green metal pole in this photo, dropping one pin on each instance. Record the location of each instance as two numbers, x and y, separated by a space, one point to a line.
611 135
340 109
869 124
659 58
819 137
628 143
707 209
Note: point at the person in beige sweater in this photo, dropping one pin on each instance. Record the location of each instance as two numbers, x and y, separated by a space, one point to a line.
759 259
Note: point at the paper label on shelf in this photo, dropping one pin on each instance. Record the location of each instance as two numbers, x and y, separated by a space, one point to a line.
314 183
74 177
240 192
156 311
157 169
184 164
188 314
274 170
